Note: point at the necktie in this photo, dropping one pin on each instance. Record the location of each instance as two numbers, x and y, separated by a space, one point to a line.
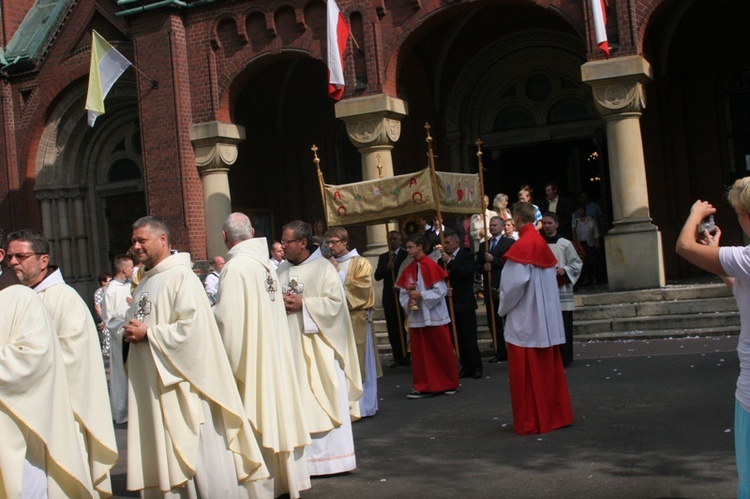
492 244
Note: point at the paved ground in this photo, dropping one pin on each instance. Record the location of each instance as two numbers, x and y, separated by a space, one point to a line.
653 420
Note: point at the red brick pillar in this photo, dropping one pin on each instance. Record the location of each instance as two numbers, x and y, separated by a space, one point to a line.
172 184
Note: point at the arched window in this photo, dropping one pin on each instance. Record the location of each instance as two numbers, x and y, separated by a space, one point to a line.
569 109
513 116
124 169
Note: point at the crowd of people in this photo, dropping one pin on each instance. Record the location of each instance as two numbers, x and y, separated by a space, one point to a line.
247 384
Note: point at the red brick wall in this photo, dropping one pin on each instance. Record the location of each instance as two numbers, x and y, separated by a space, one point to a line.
173 188
13 13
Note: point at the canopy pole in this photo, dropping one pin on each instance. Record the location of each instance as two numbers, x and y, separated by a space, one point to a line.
401 330
491 308
316 160
436 195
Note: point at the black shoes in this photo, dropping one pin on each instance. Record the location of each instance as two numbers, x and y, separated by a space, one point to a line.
401 363
475 373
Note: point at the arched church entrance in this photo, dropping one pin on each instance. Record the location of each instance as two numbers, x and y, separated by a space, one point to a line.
89 182
285 109
523 96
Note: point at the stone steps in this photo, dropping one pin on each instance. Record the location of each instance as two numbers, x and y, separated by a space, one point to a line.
690 309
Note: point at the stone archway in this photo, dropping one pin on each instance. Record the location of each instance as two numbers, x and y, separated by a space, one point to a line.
73 179
524 88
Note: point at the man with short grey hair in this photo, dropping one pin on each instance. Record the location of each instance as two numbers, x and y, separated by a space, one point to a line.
252 321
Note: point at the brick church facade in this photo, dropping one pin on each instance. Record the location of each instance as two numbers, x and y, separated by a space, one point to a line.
231 95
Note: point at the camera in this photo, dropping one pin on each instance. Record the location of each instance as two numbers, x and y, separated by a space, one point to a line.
707 224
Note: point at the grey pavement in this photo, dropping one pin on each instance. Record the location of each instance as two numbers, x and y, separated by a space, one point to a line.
653 419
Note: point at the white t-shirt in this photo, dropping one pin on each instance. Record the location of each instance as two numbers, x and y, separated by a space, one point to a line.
735 260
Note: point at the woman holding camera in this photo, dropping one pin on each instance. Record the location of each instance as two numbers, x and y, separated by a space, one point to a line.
698 243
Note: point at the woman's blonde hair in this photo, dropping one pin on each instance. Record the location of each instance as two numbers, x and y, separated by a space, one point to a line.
739 195
499 199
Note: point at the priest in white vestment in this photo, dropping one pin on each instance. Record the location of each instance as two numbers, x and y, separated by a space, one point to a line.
324 350
356 273
40 455
115 307
252 321
188 434
81 353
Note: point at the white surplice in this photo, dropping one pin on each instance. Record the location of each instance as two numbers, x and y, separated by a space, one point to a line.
530 302
114 310
355 273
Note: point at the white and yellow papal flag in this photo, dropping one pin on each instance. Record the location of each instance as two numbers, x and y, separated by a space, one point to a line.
107 64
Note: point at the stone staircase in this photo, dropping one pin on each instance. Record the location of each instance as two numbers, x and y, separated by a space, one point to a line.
676 310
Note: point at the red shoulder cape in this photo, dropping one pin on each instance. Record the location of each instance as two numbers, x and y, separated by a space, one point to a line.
430 271
531 249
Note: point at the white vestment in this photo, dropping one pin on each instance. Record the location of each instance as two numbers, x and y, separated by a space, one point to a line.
253 325
87 380
114 309
326 360
360 295
571 263
531 303
186 424
38 432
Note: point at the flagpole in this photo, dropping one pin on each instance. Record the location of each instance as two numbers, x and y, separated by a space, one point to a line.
154 83
491 308
393 275
436 195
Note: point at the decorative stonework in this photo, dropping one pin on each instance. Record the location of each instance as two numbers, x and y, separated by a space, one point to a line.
618 84
377 132
620 98
215 146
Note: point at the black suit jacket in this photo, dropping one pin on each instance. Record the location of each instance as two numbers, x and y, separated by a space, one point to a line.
503 245
383 273
564 211
461 272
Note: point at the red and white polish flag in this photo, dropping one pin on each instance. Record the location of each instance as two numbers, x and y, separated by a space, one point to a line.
338 34
600 25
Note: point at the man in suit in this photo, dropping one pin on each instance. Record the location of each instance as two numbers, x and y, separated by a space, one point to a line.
563 207
459 263
387 269
491 261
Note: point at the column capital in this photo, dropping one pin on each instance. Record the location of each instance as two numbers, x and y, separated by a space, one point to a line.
373 120
618 84
215 145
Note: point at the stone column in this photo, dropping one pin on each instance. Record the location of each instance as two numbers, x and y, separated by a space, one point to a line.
215 145
633 246
84 271
373 125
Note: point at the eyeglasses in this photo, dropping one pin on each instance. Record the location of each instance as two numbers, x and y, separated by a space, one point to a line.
285 243
331 242
20 257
